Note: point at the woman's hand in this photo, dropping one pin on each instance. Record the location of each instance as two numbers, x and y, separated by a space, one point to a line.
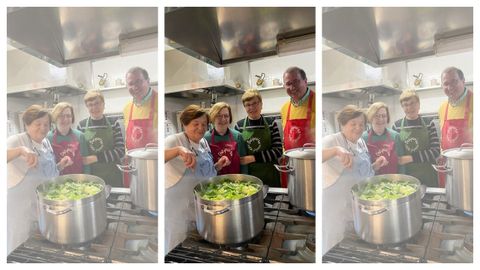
188 157
222 162
90 160
64 162
345 156
30 157
247 159
405 160
379 163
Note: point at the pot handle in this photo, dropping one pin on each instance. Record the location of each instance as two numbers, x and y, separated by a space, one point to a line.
108 190
150 145
126 168
284 168
372 212
214 212
465 145
265 191
57 212
441 168
307 145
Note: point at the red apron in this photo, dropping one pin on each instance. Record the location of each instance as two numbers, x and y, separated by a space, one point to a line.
228 149
455 133
384 148
71 149
296 133
140 132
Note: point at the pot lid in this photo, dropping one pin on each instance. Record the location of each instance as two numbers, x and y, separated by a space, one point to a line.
147 152
301 153
459 153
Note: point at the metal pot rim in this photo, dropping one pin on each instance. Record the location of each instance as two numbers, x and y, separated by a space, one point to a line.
387 202
234 177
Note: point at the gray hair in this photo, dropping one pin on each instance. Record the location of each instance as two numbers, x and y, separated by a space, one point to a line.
458 71
139 70
297 70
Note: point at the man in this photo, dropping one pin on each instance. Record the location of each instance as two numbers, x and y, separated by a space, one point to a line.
141 113
455 114
298 114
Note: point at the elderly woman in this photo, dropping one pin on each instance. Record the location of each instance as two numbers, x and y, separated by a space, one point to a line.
383 141
346 161
420 140
262 137
224 141
104 138
188 161
30 162
67 141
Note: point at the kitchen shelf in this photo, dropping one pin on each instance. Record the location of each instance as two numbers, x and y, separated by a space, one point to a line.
276 87
470 83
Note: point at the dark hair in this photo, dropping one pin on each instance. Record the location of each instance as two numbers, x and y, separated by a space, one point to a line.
192 112
35 112
458 71
139 70
297 70
350 112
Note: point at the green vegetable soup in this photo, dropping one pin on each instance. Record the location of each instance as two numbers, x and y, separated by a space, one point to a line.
387 190
71 190
227 189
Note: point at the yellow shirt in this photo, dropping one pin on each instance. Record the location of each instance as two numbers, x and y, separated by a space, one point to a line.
141 112
457 112
299 112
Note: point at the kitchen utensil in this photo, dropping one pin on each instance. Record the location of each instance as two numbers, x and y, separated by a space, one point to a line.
418 79
144 176
387 221
230 222
103 79
72 222
459 176
261 79
301 176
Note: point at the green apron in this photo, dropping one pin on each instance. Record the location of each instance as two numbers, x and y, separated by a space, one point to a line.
100 139
417 139
258 140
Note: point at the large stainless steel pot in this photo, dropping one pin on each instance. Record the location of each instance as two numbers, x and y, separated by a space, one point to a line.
301 176
144 176
229 222
72 222
459 176
387 221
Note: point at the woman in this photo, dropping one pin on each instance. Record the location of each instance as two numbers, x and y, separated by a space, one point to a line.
104 139
224 141
262 138
420 140
383 141
188 161
25 174
66 141
346 161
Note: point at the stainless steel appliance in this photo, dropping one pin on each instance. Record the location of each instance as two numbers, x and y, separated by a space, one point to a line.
229 222
288 236
144 176
130 237
387 221
446 236
73 221
301 176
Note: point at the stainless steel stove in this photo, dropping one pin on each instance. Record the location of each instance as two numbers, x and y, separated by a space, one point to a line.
288 237
131 237
446 237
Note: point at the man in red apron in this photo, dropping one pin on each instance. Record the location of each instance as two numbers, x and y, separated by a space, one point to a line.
140 114
298 114
456 114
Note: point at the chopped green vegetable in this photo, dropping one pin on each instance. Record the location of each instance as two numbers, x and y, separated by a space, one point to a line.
387 190
227 189
71 190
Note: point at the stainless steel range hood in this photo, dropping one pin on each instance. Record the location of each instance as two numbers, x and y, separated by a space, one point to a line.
65 35
189 77
381 35
223 35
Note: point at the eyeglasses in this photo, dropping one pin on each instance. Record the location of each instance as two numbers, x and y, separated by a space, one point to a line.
253 104
68 116
293 82
226 116
94 104
138 82
380 116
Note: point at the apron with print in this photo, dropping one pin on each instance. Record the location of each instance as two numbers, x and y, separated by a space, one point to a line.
296 133
417 139
68 148
337 200
229 149
384 148
179 200
455 133
258 140
100 139
22 200
139 132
